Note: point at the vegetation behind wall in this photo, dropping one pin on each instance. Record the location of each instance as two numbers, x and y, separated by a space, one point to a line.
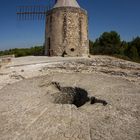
18 52
109 43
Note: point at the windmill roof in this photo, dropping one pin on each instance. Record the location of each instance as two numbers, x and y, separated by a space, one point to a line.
66 3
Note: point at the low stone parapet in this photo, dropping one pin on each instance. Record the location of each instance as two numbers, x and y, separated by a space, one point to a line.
5 59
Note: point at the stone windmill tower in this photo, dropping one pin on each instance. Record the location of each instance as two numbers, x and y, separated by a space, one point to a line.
66 30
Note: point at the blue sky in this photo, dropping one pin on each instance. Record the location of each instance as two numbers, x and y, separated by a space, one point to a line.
122 16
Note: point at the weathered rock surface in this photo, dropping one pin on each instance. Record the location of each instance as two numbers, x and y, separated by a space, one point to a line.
28 113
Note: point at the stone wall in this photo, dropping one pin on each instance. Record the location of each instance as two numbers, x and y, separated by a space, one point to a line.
5 59
66 31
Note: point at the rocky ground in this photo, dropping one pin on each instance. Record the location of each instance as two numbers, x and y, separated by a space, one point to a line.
28 111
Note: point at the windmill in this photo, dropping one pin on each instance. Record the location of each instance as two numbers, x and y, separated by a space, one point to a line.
66 31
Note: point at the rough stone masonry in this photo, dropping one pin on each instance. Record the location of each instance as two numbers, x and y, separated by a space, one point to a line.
66 30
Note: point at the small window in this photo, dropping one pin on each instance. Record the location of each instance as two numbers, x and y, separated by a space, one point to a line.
72 49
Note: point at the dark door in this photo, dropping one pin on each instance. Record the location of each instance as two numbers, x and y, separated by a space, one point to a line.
49 46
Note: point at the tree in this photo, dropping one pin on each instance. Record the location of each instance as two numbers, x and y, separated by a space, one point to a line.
136 43
91 46
18 52
123 47
108 43
133 49
132 52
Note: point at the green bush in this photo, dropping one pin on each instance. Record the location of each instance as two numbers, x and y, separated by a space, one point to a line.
109 43
18 52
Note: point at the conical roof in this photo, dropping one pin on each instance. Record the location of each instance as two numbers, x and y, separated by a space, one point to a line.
66 3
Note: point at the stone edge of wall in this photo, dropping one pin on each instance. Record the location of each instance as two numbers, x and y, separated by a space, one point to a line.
73 9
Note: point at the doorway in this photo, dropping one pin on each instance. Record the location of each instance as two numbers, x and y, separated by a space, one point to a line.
49 46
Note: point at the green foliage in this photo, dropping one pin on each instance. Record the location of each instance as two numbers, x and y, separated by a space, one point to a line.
134 53
18 52
91 46
132 50
109 43
136 43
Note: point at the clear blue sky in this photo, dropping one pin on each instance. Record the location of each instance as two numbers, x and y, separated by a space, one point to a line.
122 16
